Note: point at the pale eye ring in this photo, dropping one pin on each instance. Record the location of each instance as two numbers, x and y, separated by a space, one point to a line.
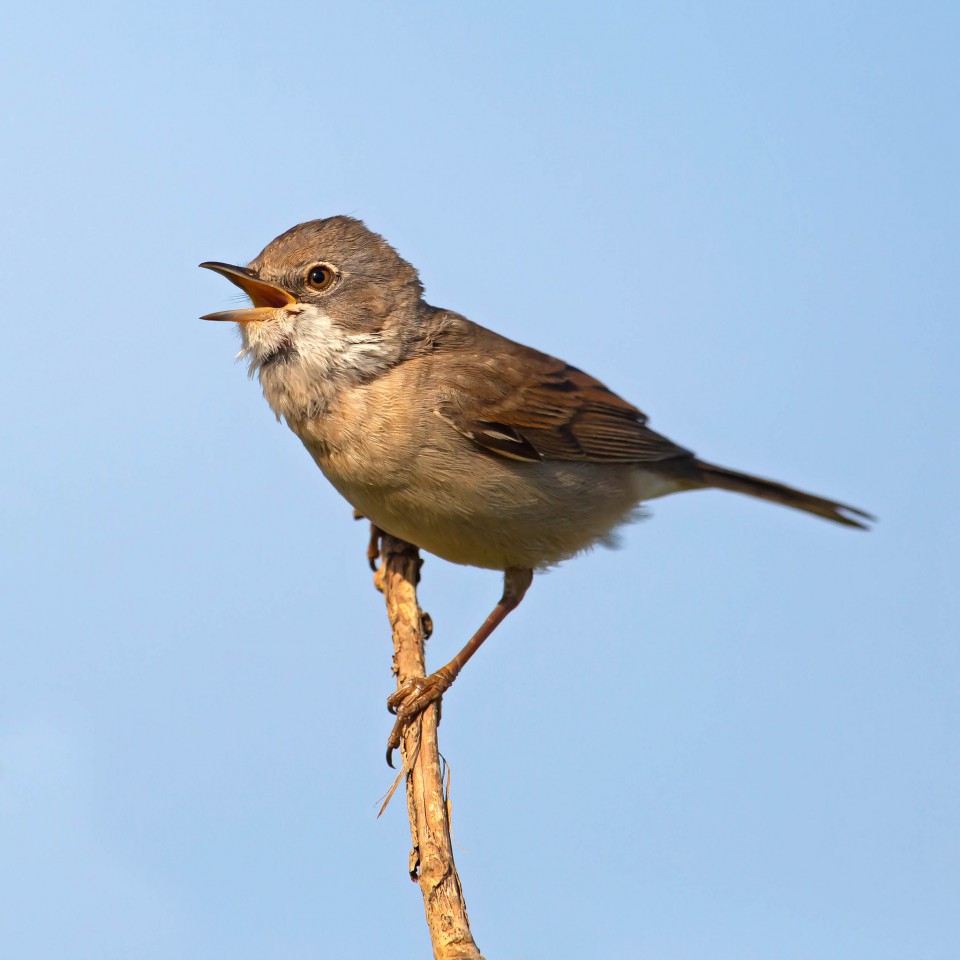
321 276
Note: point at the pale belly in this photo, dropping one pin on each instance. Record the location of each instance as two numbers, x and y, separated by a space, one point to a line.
483 510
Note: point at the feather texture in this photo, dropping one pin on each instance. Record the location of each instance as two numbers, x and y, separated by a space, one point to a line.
517 402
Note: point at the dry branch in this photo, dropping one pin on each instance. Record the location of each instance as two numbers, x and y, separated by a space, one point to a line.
431 859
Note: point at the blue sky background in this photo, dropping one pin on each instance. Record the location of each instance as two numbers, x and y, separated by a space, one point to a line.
737 737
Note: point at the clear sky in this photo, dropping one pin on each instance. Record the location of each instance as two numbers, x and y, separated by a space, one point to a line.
737 736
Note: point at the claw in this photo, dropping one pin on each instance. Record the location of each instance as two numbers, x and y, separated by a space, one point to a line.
409 702
393 742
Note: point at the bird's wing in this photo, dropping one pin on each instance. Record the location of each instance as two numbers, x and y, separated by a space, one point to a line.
526 405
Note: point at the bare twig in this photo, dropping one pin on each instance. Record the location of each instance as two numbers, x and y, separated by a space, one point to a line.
431 859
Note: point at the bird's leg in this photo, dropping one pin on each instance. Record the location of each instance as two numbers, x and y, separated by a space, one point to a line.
373 547
410 700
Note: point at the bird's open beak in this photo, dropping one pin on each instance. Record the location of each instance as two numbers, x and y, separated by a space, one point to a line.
266 297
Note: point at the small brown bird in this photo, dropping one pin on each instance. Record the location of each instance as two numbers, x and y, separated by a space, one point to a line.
445 434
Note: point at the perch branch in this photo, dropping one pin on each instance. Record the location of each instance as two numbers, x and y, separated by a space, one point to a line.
431 859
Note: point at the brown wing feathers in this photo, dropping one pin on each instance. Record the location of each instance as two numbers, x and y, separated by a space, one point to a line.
560 413
530 406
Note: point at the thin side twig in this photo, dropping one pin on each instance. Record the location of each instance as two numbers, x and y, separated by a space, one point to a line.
431 859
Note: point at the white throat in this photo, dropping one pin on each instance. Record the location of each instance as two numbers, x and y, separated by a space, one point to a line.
304 359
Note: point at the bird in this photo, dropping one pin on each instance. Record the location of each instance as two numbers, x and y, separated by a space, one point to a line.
445 434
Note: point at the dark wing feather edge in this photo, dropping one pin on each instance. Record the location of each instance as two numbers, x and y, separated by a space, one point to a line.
529 406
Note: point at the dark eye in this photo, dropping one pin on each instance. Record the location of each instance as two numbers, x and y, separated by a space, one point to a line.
321 276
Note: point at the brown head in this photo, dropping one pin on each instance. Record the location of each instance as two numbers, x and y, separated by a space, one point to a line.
333 304
337 264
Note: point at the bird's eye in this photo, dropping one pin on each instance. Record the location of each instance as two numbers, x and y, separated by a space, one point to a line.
321 276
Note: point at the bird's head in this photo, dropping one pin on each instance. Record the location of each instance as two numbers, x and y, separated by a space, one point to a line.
329 302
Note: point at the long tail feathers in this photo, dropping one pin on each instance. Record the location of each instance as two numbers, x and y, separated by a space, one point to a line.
714 476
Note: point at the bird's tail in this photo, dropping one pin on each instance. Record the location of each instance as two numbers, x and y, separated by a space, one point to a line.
711 475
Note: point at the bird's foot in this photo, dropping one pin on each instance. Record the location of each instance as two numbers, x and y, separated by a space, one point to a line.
410 700
373 545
